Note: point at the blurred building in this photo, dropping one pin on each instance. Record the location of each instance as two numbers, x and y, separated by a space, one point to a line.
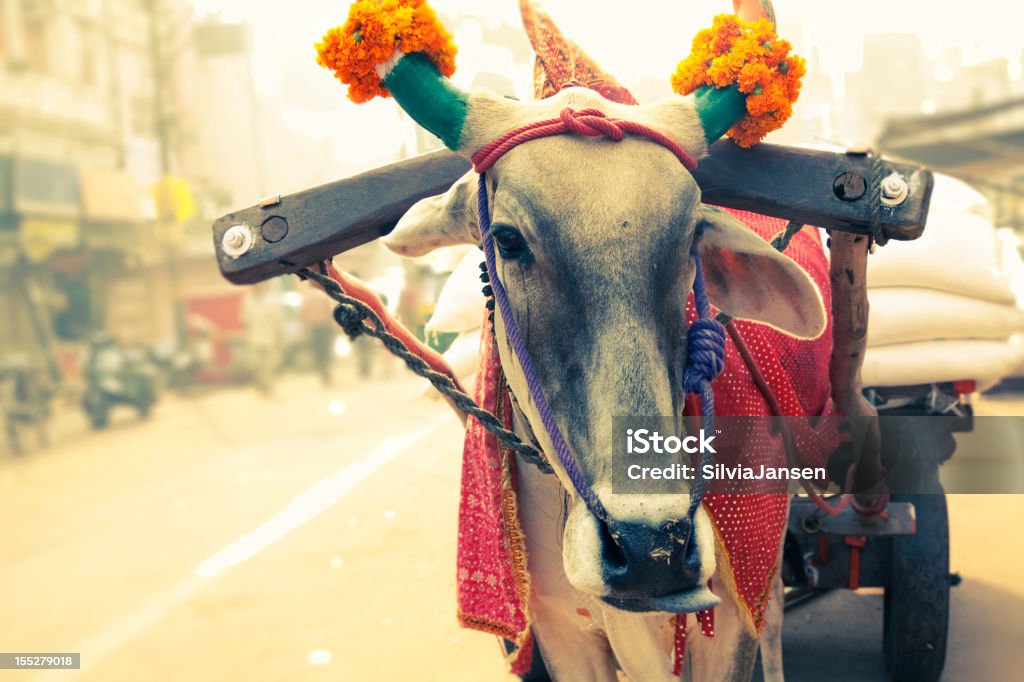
965 119
104 205
961 117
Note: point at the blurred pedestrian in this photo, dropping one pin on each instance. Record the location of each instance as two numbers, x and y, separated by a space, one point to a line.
318 318
263 327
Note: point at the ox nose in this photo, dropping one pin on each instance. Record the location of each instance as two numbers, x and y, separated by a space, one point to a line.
637 562
643 561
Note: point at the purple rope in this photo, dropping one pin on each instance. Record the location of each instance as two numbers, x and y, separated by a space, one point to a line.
705 359
565 458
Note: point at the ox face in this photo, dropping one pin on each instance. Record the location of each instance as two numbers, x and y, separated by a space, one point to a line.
593 241
594 258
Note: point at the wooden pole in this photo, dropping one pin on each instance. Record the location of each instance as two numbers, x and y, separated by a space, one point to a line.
848 275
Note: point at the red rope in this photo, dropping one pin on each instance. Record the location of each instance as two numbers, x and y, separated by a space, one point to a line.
586 122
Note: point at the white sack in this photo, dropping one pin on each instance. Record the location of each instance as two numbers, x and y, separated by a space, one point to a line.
904 315
925 362
958 253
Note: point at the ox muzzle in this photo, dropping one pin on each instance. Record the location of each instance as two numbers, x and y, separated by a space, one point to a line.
643 564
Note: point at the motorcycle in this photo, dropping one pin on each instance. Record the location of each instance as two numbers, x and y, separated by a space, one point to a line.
24 401
117 376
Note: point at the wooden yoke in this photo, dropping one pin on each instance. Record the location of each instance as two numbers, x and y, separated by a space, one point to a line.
829 190
283 234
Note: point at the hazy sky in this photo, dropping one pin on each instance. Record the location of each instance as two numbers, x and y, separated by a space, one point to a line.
631 39
647 37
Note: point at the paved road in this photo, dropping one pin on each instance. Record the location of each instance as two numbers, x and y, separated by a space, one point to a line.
312 537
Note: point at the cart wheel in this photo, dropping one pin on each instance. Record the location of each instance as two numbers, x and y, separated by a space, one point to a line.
917 596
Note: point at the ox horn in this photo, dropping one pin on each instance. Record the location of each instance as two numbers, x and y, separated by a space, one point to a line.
400 48
433 101
719 109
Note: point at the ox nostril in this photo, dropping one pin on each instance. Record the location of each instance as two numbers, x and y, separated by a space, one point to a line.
614 558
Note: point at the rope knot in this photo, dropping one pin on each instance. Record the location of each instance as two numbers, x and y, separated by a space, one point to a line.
705 354
591 123
588 122
349 318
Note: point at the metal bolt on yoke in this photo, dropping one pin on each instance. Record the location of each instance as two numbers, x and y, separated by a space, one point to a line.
236 240
894 189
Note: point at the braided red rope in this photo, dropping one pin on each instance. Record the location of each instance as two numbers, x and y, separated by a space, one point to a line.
586 122
359 290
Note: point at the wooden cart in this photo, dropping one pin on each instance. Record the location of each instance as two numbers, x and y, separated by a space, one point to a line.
905 550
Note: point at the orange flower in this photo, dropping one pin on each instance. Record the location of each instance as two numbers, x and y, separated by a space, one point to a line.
371 34
750 56
752 76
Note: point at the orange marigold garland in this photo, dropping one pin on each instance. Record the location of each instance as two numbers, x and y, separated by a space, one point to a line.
371 34
749 56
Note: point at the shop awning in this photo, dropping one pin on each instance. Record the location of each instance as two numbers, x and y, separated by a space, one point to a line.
983 144
113 196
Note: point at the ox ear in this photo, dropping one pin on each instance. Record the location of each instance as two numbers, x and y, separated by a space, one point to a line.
445 220
748 279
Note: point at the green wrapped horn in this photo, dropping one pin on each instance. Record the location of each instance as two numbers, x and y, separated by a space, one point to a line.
719 109
399 48
743 77
427 96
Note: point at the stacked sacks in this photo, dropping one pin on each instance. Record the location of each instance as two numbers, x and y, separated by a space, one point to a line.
947 306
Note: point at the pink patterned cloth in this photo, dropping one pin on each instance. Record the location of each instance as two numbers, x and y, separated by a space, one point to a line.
493 585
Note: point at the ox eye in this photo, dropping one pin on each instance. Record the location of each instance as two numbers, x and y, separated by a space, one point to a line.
509 242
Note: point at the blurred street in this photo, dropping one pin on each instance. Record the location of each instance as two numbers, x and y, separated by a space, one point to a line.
347 510
312 536
206 482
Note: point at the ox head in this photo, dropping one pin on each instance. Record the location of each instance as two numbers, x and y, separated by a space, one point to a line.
593 241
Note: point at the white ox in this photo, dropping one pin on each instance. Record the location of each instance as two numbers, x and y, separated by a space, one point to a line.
593 241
